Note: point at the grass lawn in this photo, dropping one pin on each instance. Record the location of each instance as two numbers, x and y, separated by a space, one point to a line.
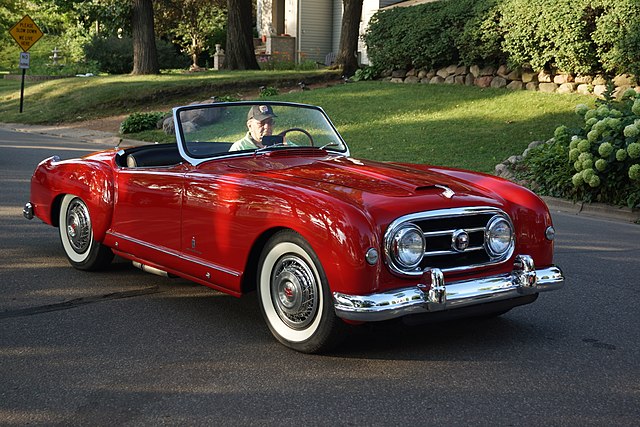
457 126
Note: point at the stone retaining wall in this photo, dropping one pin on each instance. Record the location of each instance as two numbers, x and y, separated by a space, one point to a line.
519 79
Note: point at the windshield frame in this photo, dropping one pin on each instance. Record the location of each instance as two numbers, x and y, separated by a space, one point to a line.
181 140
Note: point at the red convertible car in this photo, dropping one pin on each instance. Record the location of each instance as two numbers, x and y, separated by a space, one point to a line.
264 196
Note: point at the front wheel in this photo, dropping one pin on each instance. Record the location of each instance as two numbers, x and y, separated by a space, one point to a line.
76 235
294 295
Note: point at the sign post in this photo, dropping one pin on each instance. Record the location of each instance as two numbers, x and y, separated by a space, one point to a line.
26 33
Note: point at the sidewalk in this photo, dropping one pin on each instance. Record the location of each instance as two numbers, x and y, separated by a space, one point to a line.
598 210
79 134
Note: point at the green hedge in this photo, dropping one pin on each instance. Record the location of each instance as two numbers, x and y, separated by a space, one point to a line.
575 36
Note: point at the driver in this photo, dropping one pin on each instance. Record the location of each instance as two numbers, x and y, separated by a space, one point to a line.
259 123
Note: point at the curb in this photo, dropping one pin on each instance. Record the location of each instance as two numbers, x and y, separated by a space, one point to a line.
597 210
82 135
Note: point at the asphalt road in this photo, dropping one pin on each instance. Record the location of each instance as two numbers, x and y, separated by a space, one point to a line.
123 347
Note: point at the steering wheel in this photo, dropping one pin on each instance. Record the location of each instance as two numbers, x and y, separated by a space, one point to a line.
284 132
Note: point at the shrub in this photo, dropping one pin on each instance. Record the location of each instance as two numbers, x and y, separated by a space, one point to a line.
420 36
598 162
268 91
365 73
138 122
574 36
115 55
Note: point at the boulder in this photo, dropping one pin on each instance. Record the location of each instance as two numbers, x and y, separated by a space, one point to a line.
624 80
567 88
598 90
498 82
442 72
587 80
515 85
436 80
529 76
584 89
462 70
484 81
450 80
514 75
488 71
532 86
399 74
459 80
469 80
544 77
475 71
412 79
547 87
563 78
451 69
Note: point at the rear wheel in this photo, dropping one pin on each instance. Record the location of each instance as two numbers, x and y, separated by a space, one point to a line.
76 235
294 295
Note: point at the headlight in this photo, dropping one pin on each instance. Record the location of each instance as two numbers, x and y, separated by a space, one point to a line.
499 236
407 246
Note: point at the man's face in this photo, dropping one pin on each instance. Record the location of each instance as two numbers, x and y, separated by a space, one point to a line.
258 129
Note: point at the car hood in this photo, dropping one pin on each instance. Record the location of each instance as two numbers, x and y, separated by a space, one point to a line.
368 180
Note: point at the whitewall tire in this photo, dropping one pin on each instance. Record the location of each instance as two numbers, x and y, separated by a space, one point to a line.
294 295
76 235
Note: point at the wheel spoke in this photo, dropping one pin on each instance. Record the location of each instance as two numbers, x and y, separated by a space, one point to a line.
294 292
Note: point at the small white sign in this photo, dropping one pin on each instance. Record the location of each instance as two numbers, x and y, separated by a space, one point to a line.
24 60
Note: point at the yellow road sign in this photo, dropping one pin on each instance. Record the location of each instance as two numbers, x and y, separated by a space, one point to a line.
26 33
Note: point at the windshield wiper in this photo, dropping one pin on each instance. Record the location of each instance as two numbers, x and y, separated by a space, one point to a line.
269 147
329 144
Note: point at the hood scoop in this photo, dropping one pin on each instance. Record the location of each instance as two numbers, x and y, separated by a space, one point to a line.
443 189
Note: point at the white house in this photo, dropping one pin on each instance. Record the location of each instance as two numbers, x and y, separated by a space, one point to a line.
314 25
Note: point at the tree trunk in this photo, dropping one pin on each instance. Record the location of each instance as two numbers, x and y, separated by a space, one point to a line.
347 58
239 52
145 56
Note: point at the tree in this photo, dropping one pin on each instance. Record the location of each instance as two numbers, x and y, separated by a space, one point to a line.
347 58
145 55
239 51
192 24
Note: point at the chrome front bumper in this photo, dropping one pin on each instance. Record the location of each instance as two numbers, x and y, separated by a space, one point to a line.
432 294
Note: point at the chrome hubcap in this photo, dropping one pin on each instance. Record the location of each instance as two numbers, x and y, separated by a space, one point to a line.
294 292
78 226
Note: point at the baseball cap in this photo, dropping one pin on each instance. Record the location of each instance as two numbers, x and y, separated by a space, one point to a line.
260 112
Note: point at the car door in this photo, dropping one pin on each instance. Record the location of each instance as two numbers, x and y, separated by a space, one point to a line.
148 211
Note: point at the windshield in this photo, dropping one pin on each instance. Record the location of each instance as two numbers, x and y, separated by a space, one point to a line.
223 129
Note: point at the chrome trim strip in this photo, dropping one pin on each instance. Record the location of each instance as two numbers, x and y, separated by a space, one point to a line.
176 254
446 232
436 253
420 299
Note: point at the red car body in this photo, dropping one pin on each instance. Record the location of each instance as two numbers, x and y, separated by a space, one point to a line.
210 219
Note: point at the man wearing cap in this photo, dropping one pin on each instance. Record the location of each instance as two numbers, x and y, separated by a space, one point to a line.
259 123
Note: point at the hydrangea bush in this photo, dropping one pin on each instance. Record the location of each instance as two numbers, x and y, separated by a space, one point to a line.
601 159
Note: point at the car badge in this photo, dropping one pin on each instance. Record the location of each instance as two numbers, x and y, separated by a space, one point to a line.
460 240
447 192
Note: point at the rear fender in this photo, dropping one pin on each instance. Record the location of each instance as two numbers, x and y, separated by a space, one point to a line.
92 181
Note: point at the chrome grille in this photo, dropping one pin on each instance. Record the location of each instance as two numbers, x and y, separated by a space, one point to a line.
439 228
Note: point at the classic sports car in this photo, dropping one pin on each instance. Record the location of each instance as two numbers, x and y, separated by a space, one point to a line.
266 197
